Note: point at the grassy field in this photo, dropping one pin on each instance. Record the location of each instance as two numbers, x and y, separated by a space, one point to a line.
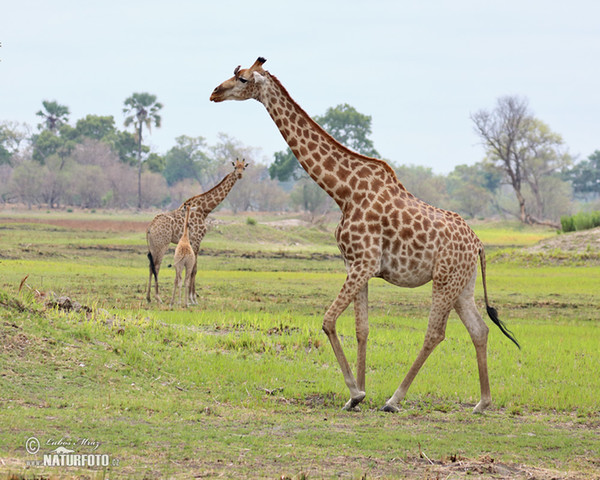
245 385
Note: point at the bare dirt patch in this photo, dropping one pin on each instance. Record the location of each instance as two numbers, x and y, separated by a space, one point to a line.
575 242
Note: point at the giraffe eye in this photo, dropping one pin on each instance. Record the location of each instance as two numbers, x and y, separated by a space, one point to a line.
242 79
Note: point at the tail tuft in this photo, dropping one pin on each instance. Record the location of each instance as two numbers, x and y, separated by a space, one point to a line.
493 314
152 267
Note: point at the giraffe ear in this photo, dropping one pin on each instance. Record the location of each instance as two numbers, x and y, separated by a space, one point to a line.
258 78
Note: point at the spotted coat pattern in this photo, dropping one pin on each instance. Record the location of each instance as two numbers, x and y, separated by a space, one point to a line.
384 232
167 228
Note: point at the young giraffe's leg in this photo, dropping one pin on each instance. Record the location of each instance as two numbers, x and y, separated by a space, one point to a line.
436 332
188 284
361 313
192 287
176 285
468 313
355 282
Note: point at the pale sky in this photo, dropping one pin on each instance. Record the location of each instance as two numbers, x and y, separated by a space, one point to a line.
419 69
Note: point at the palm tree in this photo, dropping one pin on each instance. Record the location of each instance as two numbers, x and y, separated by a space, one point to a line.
142 109
55 115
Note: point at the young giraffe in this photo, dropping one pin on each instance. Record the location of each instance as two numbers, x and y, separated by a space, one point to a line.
184 258
167 228
384 232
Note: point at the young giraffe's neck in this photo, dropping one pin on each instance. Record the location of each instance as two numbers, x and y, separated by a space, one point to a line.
186 224
336 169
206 202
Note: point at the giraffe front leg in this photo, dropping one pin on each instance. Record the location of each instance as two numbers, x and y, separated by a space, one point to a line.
352 286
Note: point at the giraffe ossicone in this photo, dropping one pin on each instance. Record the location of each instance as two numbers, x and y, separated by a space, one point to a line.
167 228
384 232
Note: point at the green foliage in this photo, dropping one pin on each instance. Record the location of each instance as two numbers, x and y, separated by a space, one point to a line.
49 143
142 110
580 221
343 123
349 127
188 159
285 166
585 175
53 115
471 189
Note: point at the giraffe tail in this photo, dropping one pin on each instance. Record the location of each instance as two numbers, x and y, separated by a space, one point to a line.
491 311
152 267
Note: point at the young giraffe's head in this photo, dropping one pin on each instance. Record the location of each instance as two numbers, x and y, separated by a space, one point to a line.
239 167
245 83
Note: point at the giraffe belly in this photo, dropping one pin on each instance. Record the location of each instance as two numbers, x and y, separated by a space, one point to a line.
405 274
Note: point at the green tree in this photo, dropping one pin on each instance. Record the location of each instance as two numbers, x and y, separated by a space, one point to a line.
156 163
285 166
524 149
472 188
47 143
585 176
186 159
343 123
95 127
54 116
11 136
141 110
350 128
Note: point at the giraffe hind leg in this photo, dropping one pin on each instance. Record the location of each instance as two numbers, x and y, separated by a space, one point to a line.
436 332
478 330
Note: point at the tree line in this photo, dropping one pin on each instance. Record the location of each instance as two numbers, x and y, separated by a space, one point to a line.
526 170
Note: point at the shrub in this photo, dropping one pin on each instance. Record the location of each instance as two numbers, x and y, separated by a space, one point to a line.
580 221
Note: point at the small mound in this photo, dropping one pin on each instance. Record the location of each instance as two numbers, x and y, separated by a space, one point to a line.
574 242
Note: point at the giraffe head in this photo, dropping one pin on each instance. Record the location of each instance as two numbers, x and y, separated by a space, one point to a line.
239 167
245 83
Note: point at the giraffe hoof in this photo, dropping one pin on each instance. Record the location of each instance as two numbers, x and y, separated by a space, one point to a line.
481 406
352 404
390 408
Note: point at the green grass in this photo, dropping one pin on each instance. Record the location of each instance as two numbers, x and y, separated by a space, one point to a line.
510 234
245 384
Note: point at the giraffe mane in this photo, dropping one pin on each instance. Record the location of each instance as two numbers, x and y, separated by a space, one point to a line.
327 135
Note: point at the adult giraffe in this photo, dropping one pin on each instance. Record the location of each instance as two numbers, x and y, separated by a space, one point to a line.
384 232
167 228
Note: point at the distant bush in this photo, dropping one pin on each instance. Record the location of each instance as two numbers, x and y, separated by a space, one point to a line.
251 221
580 221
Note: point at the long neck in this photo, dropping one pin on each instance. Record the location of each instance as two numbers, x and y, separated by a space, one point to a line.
336 169
210 200
186 223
